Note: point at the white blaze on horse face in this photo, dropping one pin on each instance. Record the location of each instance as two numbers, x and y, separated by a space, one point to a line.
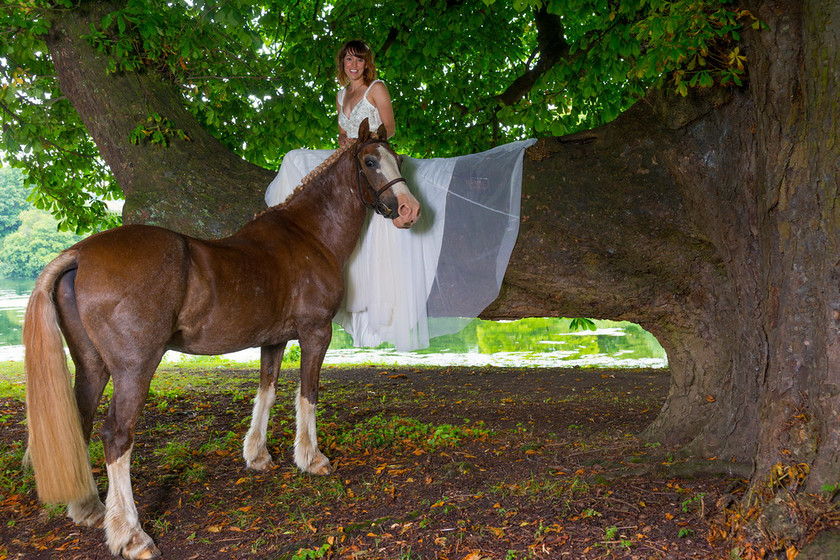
408 206
388 165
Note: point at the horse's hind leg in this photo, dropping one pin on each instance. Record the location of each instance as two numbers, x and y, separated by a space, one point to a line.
256 455
123 532
313 348
91 378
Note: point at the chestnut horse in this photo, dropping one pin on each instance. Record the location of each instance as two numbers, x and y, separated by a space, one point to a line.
125 296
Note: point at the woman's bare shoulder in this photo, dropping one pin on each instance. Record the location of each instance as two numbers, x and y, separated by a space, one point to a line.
378 88
378 92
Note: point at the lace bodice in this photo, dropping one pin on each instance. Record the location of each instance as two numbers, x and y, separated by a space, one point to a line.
364 109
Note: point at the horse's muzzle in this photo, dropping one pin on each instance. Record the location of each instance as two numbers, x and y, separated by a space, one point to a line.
408 211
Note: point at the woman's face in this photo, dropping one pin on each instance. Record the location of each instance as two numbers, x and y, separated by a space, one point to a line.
354 67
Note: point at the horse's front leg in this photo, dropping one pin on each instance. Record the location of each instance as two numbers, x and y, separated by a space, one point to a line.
313 348
256 455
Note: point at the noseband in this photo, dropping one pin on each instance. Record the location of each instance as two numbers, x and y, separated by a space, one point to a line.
378 206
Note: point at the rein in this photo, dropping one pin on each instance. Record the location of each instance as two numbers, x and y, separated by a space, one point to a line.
378 206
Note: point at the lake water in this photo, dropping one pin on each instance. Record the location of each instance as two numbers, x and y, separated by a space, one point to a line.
535 342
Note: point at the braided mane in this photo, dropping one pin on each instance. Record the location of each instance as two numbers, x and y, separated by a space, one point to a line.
326 163
315 172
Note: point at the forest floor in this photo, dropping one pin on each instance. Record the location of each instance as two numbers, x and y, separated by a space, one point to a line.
444 463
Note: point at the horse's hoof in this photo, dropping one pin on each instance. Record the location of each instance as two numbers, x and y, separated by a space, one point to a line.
90 513
140 547
324 470
320 466
261 463
312 462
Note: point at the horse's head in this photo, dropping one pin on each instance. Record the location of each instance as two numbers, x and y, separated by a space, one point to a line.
381 184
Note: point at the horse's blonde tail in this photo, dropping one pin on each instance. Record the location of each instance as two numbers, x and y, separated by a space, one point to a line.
57 447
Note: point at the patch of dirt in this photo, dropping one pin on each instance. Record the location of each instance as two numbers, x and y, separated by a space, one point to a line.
446 463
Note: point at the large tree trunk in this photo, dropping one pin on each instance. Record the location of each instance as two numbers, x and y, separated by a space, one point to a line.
196 186
615 226
718 231
797 166
711 221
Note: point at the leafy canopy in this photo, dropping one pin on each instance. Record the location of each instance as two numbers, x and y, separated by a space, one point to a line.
260 75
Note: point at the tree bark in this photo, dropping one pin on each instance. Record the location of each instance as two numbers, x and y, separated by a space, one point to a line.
794 87
712 221
736 267
612 228
195 186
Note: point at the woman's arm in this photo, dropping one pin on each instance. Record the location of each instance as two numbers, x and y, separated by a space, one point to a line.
380 99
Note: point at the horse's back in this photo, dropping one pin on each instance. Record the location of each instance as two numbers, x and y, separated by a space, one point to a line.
132 246
131 258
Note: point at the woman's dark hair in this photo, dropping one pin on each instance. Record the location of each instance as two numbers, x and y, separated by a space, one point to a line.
360 49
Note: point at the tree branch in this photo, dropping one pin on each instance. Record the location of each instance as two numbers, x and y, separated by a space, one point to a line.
389 40
8 110
552 47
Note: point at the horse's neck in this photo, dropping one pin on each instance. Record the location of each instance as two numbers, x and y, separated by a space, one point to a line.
329 208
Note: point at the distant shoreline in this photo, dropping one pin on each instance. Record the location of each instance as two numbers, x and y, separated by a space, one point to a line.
372 356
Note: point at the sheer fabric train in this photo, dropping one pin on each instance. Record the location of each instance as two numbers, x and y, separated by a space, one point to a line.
407 286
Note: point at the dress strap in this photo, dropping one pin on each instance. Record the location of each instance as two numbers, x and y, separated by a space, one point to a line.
343 91
370 86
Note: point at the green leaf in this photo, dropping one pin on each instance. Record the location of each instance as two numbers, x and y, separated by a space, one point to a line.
582 323
259 76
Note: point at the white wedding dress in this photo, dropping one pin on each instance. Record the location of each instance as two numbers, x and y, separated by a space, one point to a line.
407 286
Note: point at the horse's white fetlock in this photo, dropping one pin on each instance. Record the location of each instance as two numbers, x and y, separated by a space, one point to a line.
87 513
312 461
256 455
307 456
123 533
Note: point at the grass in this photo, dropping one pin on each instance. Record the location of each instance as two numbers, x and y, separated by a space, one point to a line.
12 380
419 474
382 432
223 444
175 456
14 477
170 380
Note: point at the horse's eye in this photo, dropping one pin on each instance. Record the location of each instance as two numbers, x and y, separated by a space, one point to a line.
370 163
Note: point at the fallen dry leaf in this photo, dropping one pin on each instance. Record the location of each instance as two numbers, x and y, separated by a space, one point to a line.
499 532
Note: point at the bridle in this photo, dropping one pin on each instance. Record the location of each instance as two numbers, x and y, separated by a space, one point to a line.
378 206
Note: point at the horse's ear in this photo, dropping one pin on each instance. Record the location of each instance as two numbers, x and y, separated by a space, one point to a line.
364 130
381 132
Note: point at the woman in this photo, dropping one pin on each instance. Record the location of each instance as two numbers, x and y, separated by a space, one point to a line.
406 286
357 74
